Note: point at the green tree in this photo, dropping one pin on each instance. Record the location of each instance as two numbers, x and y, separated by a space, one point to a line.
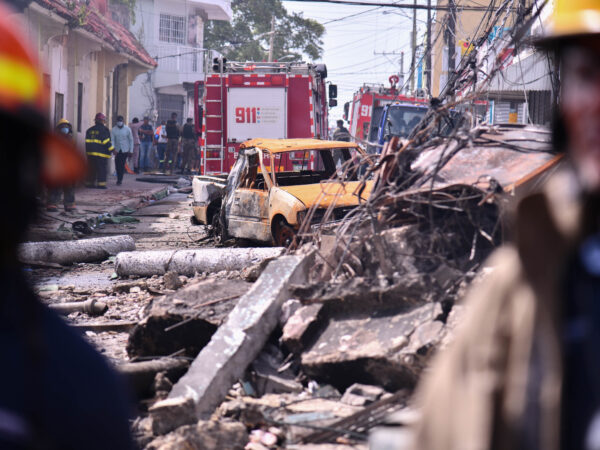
247 37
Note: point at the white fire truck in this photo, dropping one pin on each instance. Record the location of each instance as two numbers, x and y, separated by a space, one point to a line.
242 101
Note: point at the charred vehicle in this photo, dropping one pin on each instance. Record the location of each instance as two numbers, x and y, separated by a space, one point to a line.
272 185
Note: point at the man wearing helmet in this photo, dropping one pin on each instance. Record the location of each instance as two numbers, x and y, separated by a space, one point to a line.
523 371
98 148
56 391
64 128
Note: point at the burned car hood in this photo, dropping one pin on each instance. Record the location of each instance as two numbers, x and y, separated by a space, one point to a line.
326 193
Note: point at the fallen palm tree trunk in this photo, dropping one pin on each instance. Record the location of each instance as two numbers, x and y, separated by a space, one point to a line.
189 262
69 252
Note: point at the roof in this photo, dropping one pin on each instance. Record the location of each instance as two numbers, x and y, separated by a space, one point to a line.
108 30
290 145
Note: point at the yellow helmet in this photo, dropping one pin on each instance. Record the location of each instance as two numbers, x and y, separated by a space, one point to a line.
572 18
63 122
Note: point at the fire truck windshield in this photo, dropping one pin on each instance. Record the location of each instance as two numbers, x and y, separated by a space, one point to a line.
402 119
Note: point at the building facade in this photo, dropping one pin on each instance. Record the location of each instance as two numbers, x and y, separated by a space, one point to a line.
90 60
173 33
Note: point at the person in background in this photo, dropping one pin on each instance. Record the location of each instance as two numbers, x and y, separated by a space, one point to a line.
523 371
173 136
56 390
123 142
189 146
134 161
160 135
63 128
98 149
146 132
341 133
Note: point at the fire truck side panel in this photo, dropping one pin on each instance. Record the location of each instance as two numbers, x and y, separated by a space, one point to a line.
300 124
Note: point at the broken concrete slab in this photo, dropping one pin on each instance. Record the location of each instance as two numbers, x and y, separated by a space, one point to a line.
171 413
377 348
301 328
237 342
70 252
190 262
205 435
362 394
186 319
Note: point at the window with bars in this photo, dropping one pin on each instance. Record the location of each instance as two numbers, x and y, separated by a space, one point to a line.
172 29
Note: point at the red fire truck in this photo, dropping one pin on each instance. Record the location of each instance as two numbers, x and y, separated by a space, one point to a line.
250 100
364 112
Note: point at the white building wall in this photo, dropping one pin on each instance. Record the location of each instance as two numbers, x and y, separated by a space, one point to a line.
178 63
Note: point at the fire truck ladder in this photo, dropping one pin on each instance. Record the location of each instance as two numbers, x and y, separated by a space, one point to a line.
210 149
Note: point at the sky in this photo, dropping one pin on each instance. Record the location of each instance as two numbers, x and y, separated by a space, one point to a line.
350 43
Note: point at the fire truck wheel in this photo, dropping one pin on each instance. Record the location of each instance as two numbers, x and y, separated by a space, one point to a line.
284 234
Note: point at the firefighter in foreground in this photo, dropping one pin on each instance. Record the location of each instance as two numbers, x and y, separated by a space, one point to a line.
524 369
64 128
56 391
98 148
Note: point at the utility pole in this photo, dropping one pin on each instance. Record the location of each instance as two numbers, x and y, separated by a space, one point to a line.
401 74
413 60
428 49
450 38
272 39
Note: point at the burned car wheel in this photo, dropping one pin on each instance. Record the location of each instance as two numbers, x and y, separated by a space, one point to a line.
284 234
217 230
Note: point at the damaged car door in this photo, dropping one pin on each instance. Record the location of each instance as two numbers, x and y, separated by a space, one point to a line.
247 209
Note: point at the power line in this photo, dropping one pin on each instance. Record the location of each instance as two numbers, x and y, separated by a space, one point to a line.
397 5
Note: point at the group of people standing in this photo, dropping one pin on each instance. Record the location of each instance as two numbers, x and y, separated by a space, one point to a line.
176 147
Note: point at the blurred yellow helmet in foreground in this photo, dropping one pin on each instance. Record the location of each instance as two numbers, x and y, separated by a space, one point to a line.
573 18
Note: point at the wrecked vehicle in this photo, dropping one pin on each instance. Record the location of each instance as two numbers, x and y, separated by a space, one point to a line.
274 182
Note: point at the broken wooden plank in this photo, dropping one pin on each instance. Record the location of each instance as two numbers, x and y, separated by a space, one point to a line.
239 340
69 252
190 262
141 374
106 326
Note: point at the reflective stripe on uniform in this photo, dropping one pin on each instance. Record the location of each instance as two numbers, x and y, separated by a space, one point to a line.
106 141
102 155
111 148
18 80
93 141
101 183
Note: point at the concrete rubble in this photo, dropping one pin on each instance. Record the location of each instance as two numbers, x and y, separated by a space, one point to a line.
262 348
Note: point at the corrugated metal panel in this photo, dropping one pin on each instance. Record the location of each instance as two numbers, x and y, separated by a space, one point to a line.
530 73
501 111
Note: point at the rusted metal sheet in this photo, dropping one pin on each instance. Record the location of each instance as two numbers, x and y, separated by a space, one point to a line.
511 156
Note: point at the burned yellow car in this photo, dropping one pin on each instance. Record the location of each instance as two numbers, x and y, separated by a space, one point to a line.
273 183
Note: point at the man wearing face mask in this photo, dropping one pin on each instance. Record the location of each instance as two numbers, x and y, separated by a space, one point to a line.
122 139
523 371
64 128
